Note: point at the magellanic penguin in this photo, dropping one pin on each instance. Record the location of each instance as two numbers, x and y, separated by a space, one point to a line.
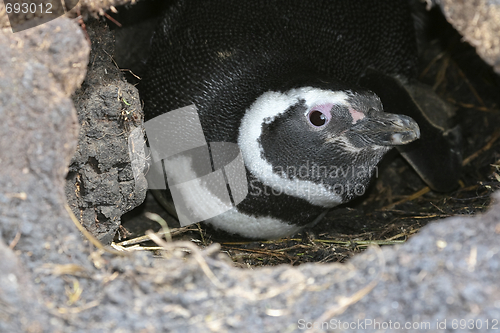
291 83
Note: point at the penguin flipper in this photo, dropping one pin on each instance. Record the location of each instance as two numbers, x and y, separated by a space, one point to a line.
437 155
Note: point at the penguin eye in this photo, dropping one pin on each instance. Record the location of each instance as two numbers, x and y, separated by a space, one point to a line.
317 118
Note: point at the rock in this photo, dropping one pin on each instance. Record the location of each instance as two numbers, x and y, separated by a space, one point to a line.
21 309
100 185
478 21
40 68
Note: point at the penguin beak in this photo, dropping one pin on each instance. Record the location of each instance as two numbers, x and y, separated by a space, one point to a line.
386 129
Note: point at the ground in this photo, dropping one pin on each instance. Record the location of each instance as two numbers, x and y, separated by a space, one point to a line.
53 279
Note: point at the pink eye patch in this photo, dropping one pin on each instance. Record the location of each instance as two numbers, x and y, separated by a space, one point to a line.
320 115
356 115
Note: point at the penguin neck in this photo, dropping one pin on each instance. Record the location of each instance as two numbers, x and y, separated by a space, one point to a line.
268 106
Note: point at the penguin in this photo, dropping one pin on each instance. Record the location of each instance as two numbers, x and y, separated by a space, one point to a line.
313 95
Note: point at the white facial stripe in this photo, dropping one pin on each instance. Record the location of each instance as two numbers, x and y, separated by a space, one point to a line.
348 146
344 143
314 96
264 110
253 227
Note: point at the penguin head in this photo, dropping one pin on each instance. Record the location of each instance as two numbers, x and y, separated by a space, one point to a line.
318 144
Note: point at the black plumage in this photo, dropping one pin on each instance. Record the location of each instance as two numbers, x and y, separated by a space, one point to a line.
223 55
